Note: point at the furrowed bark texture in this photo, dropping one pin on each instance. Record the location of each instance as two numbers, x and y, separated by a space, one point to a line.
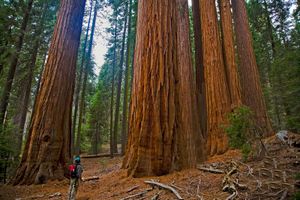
229 54
217 95
157 143
187 100
48 146
252 95
200 85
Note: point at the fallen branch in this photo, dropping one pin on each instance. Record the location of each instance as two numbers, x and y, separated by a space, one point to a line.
140 194
165 187
232 196
211 170
155 197
99 155
90 178
57 194
133 188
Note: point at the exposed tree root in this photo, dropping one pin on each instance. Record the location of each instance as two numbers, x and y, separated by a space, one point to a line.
165 187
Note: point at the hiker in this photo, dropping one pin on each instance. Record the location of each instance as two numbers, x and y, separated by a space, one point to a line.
75 173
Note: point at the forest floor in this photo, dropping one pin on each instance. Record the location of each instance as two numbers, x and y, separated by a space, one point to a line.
272 177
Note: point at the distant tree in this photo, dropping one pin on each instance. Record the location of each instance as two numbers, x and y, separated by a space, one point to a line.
78 85
120 78
126 84
13 63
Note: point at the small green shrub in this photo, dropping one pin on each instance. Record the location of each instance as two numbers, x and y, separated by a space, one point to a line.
238 129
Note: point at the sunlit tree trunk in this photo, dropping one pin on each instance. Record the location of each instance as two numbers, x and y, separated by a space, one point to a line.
217 94
252 95
162 94
47 149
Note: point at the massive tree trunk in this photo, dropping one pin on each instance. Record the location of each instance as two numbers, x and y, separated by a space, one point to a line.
47 149
85 78
217 94
14 63
126 84
200 85
189 119
161 109
120 77
252 95
78 86
229 54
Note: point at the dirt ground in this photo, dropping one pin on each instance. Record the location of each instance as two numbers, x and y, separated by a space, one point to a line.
264 179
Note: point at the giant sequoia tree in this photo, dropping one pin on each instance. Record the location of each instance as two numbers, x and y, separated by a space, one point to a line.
161 124
48 147
217 95
229 53
252 95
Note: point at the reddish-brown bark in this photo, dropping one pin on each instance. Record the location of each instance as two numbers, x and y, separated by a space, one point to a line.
48 146
229 54
217 94
252 95
162 124
187 99
200 85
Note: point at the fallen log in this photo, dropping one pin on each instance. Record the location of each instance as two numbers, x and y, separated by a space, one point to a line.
132 188
165 187
90 178
211 170
100 155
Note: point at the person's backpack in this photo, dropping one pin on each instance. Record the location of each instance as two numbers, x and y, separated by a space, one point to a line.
73 171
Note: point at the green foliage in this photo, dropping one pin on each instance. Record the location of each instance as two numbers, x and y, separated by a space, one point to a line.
276 35
238 129
296 196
